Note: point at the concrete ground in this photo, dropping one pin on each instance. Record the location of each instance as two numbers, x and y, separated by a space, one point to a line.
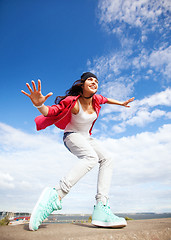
153 229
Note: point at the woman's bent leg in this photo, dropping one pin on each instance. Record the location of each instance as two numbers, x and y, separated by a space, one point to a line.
80 147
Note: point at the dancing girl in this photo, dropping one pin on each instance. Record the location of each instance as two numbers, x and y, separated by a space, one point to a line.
76 113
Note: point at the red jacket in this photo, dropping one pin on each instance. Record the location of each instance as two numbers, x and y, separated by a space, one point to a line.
60 114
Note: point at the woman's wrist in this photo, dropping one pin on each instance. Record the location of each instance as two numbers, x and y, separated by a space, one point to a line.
39 105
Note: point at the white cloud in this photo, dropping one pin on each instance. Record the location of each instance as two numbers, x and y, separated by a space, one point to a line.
141 61
118 89
161 60
120 71
149 151
142 168
141 112
168 115
119 128
33 161
161 98
113 64
137 13
145 15
144 117
6 181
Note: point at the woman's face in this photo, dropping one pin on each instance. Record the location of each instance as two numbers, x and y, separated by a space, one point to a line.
90 86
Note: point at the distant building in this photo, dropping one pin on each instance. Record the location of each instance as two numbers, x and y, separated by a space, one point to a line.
3 214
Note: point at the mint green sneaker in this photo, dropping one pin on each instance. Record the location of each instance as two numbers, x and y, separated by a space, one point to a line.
47 203
103 217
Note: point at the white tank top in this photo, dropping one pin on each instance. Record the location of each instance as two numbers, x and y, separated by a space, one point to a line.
81 122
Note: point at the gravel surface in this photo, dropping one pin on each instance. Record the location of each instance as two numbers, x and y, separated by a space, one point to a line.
153 229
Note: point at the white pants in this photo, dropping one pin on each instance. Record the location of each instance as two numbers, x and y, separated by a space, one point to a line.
89 153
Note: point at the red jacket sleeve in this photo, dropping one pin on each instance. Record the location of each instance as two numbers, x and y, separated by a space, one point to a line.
101 99
57 109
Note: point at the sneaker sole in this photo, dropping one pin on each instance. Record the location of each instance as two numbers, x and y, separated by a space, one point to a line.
109 224
34 210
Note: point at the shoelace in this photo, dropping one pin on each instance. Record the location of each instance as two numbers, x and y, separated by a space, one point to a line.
107 210
49 208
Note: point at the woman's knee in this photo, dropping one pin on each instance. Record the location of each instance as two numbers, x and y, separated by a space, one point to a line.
107 160
91 161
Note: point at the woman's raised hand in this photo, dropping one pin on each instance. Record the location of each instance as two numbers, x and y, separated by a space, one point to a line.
125 104
35 94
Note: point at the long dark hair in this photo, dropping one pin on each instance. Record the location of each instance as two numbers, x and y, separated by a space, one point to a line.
75 90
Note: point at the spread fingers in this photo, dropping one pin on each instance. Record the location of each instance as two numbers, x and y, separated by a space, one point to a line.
34 85
29 88
28 95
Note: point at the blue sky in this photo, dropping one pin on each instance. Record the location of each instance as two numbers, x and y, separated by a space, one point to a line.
127 45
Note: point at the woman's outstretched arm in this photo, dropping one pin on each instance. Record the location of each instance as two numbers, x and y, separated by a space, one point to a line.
37 98
125 104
